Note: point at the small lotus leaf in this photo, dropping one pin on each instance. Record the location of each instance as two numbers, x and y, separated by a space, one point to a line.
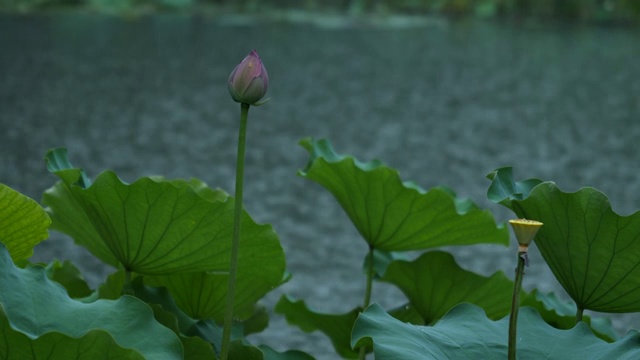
203 295
432 294
503 188
336 327
69 276
23 223
271 354
240 350
562 314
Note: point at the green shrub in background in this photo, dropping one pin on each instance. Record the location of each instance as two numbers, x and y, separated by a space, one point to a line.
605 11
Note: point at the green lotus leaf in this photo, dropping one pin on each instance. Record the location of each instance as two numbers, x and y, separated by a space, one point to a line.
466 333
58 163
336 327
270 354
392 215
381 260
111 288
194 346
69 217
160 227
562 314
197 336
203 295
504 188
591 250
240 350
407 313
23 223
35 306
197 348
431 294
94 345
69 276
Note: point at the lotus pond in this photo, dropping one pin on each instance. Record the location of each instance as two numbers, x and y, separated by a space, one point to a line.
443 103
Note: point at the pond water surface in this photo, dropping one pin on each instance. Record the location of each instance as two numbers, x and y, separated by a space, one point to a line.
445 103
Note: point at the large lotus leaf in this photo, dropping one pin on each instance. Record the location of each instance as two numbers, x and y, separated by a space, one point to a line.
336 327
69 216
392 215
94 345
434 283
592 251
159 227
466 333
35 306
23 223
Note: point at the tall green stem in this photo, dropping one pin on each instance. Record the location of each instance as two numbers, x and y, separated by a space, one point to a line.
515 305
367 295
237 212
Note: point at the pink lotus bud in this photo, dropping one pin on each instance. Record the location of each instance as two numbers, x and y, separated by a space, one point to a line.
248 82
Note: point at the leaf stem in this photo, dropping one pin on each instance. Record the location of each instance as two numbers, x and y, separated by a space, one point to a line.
235 244
579 314
515 305
127 287
367 295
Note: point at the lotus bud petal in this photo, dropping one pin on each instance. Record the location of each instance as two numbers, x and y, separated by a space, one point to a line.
248 82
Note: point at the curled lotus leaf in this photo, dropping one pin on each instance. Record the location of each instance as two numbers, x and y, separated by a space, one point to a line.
592 251
393 215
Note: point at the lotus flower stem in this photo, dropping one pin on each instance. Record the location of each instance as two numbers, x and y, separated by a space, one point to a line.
525 231
237 212
515 304
367 295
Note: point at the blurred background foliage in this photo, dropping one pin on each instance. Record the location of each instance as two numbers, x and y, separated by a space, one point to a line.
597 11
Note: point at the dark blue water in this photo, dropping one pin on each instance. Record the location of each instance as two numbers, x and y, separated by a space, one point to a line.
444 103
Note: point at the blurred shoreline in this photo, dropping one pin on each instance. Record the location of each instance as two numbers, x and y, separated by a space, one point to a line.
609 13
